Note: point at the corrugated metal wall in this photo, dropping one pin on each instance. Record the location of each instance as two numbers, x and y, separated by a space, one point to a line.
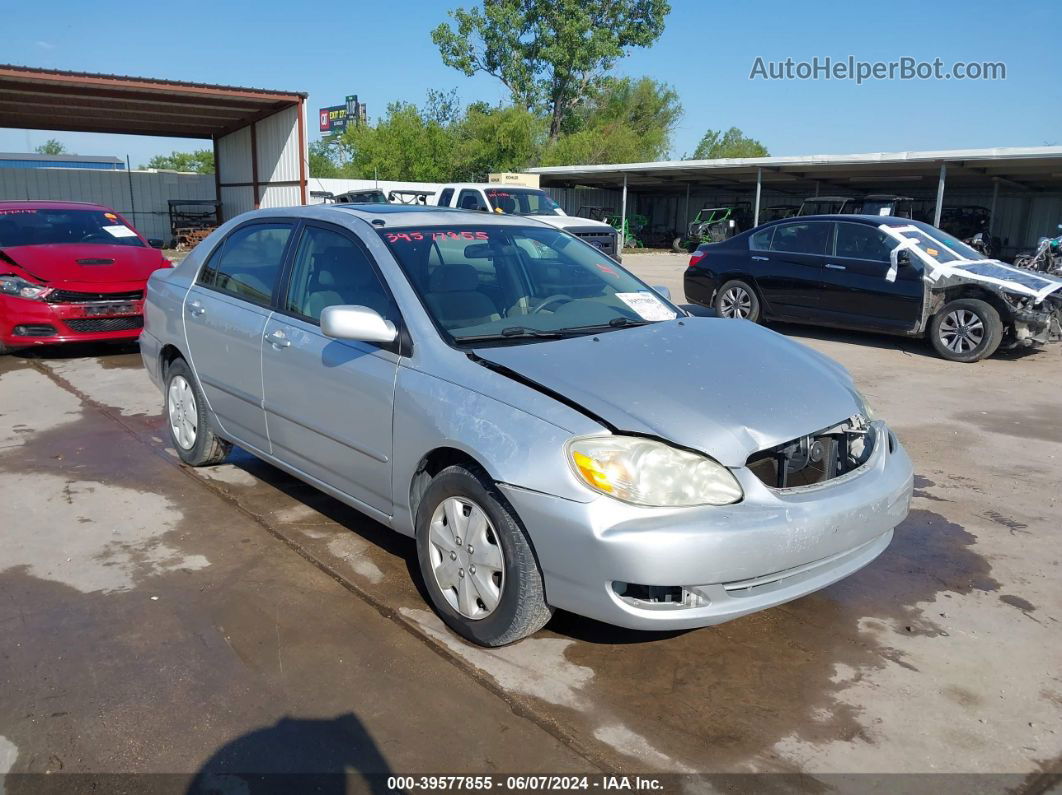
151 191
276 139
278 148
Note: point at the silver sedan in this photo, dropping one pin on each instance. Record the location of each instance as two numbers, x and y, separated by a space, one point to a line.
553 432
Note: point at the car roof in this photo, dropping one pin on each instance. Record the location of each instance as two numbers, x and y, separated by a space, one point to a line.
397 215
44 204
890 220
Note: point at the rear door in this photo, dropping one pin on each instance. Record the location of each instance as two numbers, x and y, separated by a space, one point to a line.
225 313
789 273
855 290
329 403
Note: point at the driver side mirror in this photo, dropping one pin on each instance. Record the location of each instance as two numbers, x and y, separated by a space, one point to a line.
357 323
903 258
662 290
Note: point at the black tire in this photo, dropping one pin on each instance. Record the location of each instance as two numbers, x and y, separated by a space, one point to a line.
678 245
207 447
737 298
521 609
966 330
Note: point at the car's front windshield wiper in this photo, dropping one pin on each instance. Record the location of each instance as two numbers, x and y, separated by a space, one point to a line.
516 332
616 322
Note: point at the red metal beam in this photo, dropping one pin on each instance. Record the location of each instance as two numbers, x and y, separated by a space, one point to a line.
303 181
254 164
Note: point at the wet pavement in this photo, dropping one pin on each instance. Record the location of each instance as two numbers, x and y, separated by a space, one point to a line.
276 603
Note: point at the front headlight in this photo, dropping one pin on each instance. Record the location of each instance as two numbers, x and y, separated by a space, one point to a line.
867 409
647 472
19 287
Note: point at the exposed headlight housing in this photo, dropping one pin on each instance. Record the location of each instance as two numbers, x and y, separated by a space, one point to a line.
647 472
13 285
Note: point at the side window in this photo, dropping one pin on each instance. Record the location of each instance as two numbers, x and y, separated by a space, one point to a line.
863 242
248 263
331 269
806 238
471 200
761 241
445 196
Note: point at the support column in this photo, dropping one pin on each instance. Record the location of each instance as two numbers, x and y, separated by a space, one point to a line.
756 209
254 165
686 218
992 209
623 216
940 194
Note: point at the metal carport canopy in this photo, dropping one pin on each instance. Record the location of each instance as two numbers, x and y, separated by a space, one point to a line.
1035 168
43 99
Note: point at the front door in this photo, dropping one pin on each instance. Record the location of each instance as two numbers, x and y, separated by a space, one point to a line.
329 403
856 289
788 275
225 313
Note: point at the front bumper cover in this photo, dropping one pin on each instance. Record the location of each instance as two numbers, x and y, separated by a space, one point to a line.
772 547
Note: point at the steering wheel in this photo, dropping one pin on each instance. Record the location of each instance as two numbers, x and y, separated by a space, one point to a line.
90 236
551 299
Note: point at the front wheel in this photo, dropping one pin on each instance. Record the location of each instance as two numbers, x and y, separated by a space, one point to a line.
737 299
966 330
186 418
476 560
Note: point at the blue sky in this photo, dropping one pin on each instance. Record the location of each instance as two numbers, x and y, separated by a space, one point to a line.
383 52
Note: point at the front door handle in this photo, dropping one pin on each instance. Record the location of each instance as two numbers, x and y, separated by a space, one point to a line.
765 259
833 267
196 308
278 339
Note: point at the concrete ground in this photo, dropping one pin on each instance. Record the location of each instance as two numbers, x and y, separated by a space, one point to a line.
157 618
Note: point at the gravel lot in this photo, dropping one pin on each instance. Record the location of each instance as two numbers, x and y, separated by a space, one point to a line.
160 619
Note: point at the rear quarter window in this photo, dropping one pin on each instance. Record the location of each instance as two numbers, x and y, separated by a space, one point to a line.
761 241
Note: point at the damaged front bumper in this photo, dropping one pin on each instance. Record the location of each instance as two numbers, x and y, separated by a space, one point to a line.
1037 324
679 568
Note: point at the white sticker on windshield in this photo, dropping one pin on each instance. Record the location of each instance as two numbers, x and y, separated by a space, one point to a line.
119 230
647 305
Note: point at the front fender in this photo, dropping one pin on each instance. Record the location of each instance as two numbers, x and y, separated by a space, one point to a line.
513 446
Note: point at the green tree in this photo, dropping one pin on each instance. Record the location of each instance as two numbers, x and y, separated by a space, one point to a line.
732 143
200 161
323 160
623 120
403 145
495 139
51 147
548 53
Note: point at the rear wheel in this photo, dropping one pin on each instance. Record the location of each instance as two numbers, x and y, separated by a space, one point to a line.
737 299
476 560
966 330
187 420
678 245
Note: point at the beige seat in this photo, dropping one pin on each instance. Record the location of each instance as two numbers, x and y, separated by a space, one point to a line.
454 297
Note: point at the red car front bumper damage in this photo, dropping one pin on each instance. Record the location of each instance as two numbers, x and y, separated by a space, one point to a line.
74 312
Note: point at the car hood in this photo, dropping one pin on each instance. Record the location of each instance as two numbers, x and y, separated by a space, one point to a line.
728 388
572 222
85 263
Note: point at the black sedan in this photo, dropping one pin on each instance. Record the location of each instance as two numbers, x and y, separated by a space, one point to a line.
877 273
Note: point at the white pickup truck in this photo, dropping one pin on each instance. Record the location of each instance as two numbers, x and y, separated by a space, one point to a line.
532 202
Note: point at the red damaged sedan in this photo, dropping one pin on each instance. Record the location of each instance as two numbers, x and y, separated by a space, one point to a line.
71 272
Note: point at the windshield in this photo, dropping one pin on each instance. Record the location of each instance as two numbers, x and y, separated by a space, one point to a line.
506 283
937 244
521 201
38 227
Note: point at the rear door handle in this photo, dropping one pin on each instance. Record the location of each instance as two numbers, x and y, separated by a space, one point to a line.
196 308
833 267
765 259
278 339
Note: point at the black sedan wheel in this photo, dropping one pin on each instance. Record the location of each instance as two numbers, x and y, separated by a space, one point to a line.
966 330
737 299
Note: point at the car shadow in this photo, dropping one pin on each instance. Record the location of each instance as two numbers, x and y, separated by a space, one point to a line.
77 350
909 346
297 755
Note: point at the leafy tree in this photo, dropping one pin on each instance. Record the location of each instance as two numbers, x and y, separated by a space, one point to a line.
496 139
732 143
51 147
548 53
322 160
623 121
200 161
403 145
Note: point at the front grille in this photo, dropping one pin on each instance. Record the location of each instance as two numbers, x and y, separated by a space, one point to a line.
96 325
815 458
72 297
41 330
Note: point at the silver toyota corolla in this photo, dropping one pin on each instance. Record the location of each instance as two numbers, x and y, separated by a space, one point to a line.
553 432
